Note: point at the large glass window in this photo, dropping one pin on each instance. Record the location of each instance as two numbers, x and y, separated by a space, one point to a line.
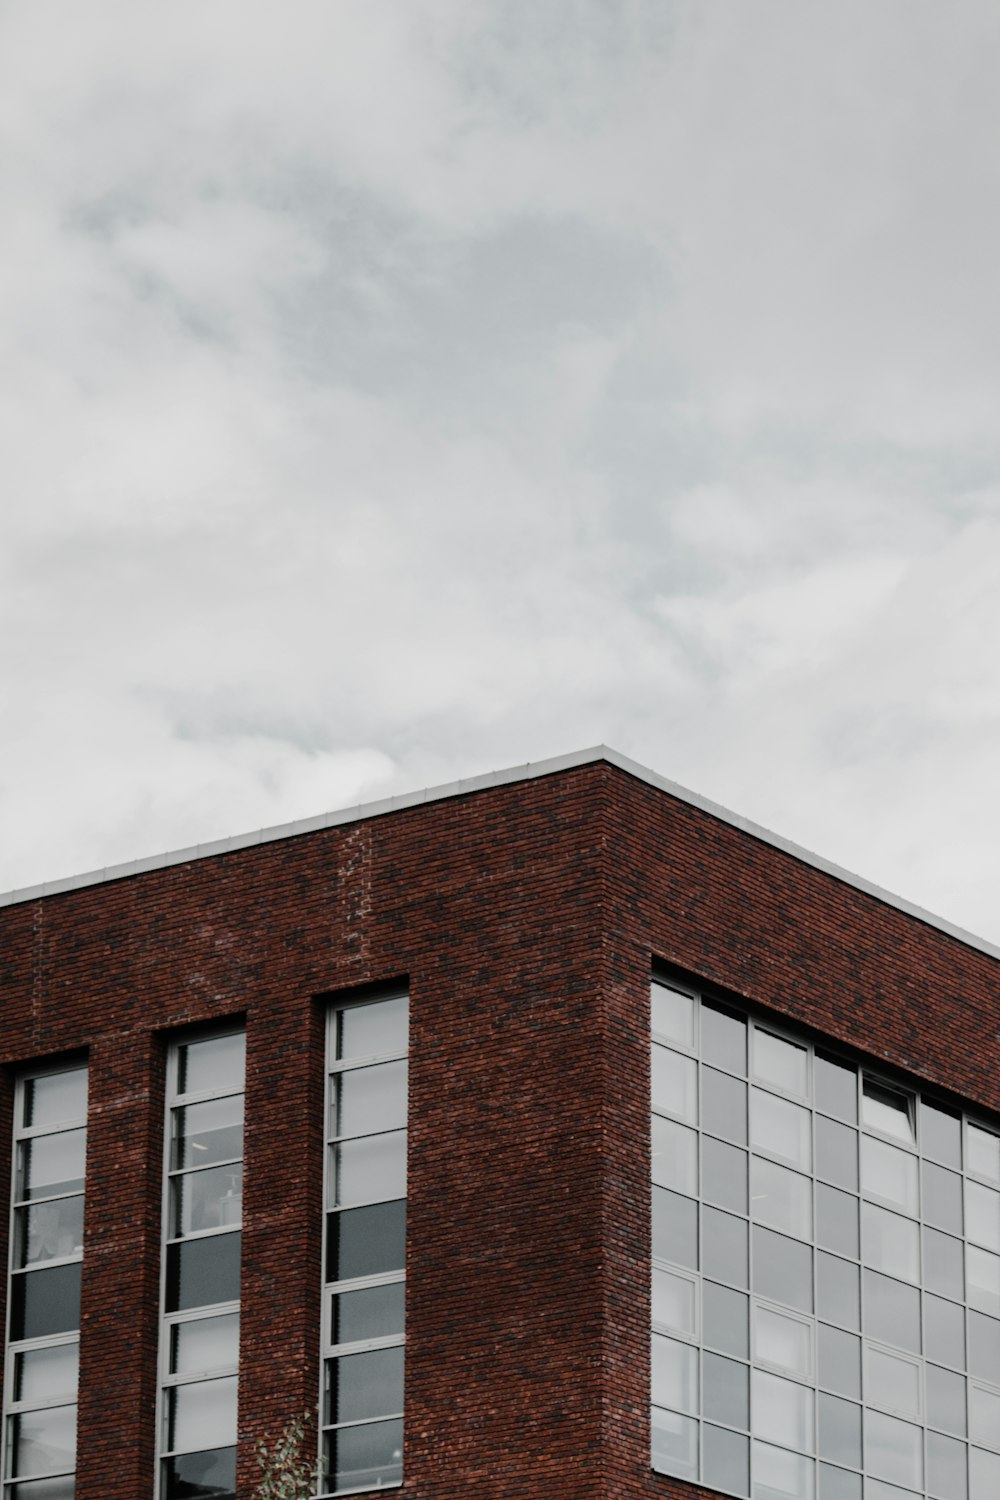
364 1254
826 1270
202 1221
43 1342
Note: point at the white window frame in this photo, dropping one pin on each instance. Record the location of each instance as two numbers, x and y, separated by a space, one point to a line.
12 1408
166 1381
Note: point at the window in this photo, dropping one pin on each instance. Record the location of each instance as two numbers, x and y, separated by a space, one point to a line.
826 1270
365 1245
50 1118
202 1220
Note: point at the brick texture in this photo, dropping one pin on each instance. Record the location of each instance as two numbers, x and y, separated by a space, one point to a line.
524 918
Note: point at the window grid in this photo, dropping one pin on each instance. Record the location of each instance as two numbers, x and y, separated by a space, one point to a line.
202 1224
841 1480
43 1312
363 1333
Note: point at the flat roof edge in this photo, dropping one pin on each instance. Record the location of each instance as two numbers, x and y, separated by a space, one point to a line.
467 785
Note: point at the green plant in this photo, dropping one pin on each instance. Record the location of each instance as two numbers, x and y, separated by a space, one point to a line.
286 1470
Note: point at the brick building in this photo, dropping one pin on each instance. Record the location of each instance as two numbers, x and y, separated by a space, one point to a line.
816 1262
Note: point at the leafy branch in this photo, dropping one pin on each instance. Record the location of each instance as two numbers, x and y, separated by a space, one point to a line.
287 1472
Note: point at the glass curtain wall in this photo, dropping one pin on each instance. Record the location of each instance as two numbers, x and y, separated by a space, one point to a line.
365 1232
826 1270
203 1215
50 1116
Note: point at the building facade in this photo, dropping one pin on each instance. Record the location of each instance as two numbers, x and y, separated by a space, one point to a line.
551 1136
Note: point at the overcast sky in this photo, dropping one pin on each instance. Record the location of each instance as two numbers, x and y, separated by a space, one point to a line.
394 390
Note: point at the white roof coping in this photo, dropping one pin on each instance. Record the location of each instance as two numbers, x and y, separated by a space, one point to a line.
463 788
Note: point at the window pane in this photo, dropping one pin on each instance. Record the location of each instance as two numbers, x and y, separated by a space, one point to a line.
837 1220
781 1198
945 1399
360 1386
984 1417
674 1156
726 1461
675 1228
944 1331
984 1475
945 1468
376 1311
893 1383
779 1475
838 1294
674 1444
51 1098
940 1135
782 1269
887 1110
51 1164
208 1132
45 1302
781 1128
983 1280
727 1391
724 1174
892 1312
369 1099
207 1200
202 1272
43 1442
724 1246
45 1374
213 1064
782 1411
675 1084
877 1489
838 1484
371 1169
982 1215
209 1475
836 1085
836 1153
368 1241
674 1374
201 1415
205 1344
942 1198
724 1106
723 1039
366 1457
725 1317
894 1450
370 1030
943 1267
672 1014
49 1231
892 1243
840 1431
674 1301
44 1489
983 1153
984 1347
839 1358
890 1174
784 1341
782 1063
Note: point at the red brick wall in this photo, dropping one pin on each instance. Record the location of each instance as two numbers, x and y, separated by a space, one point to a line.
524 917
